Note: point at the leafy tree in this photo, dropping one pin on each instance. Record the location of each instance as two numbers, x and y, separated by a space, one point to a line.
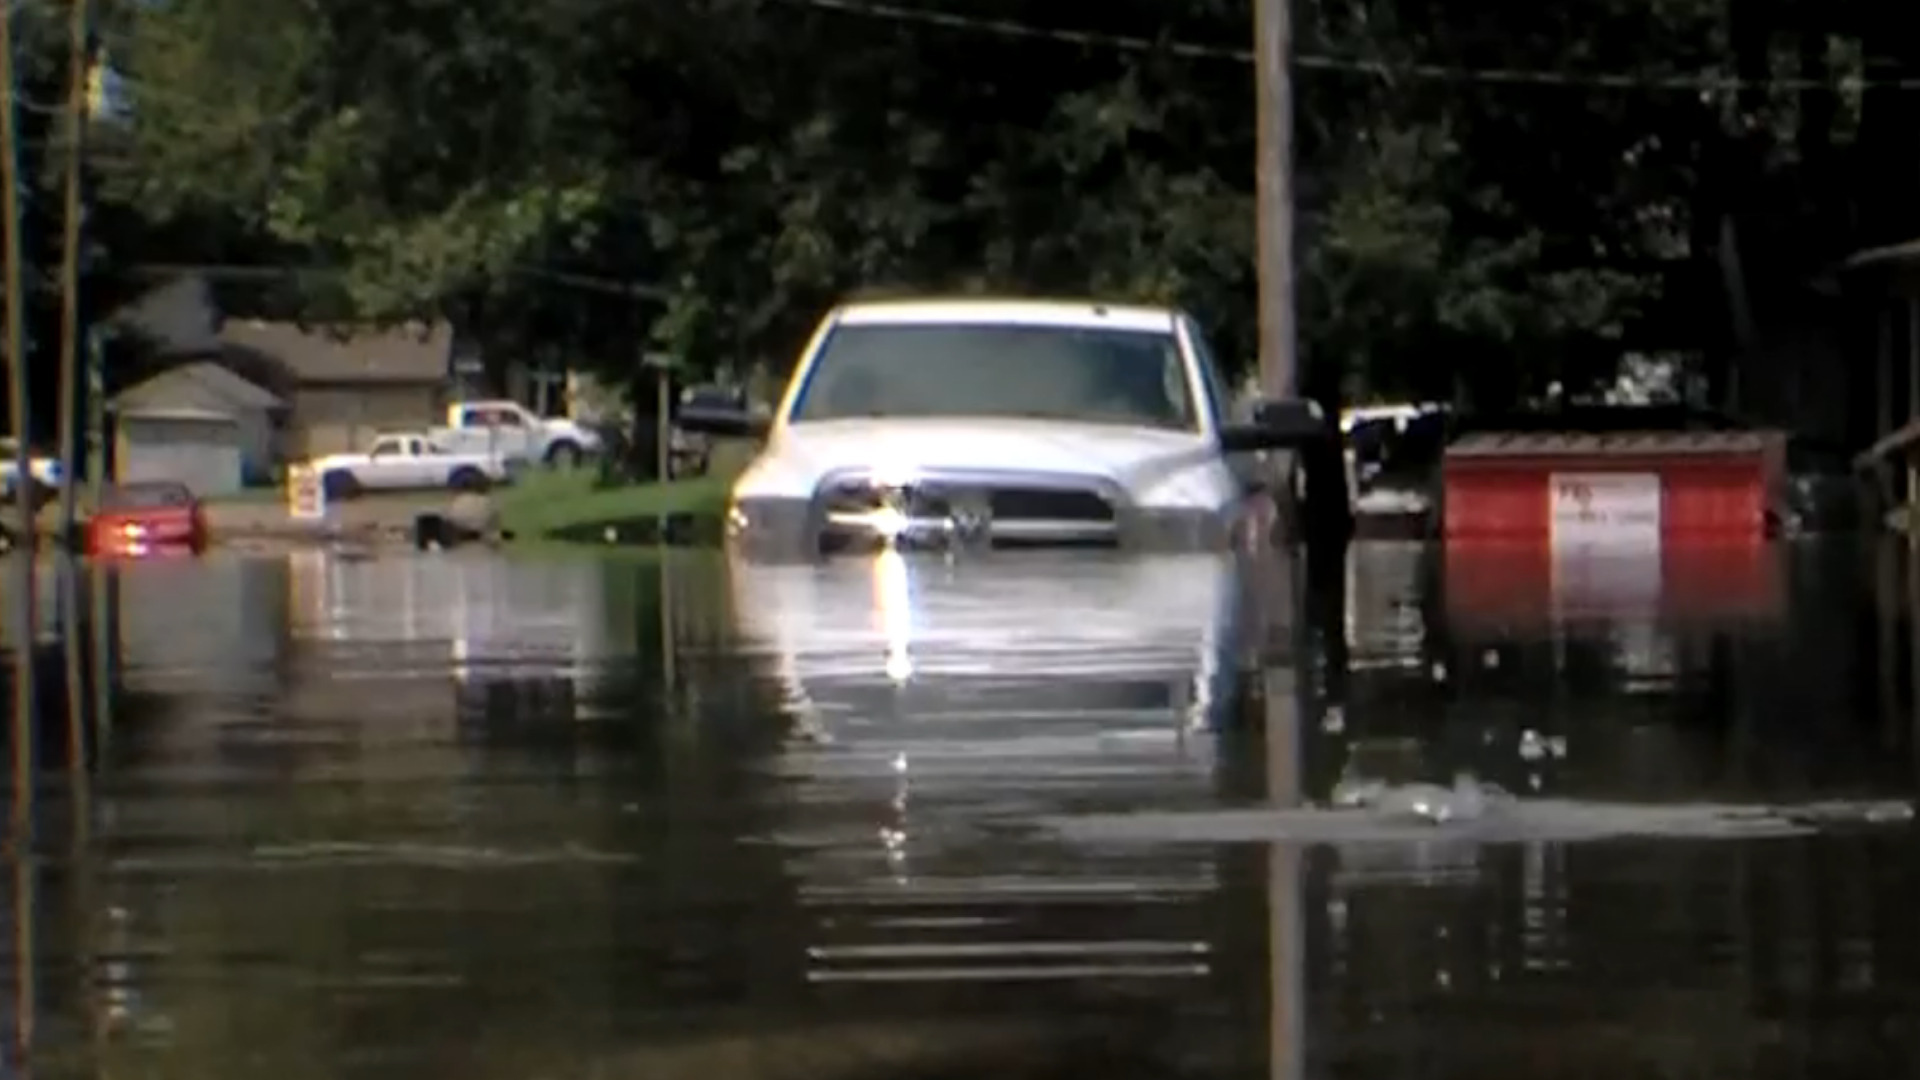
407 146
597 178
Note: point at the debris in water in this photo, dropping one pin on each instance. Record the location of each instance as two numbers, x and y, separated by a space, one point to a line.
1516 821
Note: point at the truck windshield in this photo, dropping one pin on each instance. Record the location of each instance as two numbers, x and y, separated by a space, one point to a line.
1097 375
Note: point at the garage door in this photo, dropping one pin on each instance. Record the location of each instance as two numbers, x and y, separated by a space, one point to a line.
203 454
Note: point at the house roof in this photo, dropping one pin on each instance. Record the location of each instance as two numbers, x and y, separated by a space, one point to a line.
200 386
414 353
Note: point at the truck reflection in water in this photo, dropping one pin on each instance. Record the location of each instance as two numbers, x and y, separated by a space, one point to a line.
937 707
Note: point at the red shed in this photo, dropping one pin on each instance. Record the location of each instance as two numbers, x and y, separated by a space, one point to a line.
1641 489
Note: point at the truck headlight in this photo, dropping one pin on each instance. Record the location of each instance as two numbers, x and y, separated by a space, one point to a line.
775 527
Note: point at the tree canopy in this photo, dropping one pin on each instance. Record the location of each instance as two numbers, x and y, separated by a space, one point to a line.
1490 196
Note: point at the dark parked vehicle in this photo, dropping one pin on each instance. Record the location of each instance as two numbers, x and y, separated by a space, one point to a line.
691 450
632 452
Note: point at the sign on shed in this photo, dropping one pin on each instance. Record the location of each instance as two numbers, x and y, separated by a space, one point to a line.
306 495
1608 508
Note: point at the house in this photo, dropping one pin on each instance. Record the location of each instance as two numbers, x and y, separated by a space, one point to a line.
334 386
342 386
198 423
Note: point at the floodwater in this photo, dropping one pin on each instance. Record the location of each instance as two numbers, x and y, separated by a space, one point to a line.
655 817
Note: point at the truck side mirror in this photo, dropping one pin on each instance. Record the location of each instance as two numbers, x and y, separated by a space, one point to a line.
1290 423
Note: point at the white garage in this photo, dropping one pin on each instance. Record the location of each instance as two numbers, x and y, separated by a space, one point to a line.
199 448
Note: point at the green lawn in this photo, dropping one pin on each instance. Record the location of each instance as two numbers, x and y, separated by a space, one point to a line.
545 502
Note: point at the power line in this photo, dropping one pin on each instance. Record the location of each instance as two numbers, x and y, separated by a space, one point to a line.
574 280
1386 71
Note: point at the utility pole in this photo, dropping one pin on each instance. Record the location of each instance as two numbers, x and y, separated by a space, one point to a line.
79 97
1279 379
15 302
1279 375
26 619
79 69
1273 49
1325 514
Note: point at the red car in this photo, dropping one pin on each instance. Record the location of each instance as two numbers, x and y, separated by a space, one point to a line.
147 518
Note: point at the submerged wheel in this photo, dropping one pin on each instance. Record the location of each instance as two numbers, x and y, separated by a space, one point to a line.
340 484
468 478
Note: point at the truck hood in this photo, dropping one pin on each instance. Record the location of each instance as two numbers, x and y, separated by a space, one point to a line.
1159 467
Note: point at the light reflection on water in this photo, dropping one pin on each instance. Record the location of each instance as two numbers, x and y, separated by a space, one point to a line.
933 703
659 817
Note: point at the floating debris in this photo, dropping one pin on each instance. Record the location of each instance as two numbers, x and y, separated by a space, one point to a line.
1433 804
1382 816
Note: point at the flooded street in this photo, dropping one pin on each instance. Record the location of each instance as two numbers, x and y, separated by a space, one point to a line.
655 817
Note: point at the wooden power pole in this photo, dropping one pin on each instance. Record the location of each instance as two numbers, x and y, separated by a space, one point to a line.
1279 375
15 301
79 71
1327 513
1273 47
19 597
79 102
1279 379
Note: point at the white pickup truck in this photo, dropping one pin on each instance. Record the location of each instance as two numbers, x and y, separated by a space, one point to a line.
402 461
44 468
511 430
961 422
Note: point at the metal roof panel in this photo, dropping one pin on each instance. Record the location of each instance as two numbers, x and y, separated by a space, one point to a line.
1494 444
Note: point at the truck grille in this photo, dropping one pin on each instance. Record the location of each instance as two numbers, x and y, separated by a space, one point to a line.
1007 503
975 511
1047 504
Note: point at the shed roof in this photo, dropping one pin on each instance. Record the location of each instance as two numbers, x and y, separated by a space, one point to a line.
202 385
178 413
1496 444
